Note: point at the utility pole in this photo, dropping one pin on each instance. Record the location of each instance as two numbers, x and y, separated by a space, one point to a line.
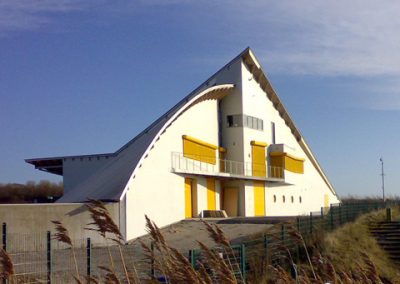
383 179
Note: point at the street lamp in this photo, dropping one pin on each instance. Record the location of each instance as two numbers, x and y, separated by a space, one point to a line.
383 179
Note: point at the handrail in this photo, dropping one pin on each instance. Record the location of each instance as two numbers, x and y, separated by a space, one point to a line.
199 164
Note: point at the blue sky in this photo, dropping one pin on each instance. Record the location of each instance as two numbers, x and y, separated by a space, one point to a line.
80 77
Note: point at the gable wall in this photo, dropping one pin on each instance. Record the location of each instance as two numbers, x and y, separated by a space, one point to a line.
310 185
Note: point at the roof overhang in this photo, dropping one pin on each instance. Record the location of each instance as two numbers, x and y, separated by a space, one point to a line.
50 165
54 165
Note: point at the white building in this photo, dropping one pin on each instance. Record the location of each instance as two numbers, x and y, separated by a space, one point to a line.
229 145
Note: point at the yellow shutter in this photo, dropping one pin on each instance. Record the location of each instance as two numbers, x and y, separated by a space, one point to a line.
288 162
258 162
211 199
259 198
188 198
294 165
199 150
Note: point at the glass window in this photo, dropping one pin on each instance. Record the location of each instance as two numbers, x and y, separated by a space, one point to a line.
273 132
254 122
230 120
249 122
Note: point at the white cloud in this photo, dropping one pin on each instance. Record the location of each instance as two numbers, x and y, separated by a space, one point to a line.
331 37
30 14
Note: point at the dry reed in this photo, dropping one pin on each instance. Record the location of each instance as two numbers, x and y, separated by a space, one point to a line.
104 224
177 269
62 236
6 265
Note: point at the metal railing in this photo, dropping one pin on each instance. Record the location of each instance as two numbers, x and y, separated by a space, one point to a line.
201 164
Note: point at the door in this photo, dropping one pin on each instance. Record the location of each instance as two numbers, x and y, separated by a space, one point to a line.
211 198
259 198
231 201
188 198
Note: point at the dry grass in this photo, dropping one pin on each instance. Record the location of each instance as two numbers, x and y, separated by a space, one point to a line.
176 268
347 255
351 247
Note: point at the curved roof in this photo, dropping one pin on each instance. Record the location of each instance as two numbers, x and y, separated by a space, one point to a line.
110 182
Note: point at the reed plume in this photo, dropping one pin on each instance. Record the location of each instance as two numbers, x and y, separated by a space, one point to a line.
62 236
104 224
6 265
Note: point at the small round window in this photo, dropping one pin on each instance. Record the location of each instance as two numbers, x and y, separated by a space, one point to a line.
274 198
300 199
283 198
292 198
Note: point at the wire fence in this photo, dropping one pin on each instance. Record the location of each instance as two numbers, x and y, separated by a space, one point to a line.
38 258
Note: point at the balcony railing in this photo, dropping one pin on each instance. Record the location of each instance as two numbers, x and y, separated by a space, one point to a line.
223 167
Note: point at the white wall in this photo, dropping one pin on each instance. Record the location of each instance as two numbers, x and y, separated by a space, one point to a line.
310 185
156 191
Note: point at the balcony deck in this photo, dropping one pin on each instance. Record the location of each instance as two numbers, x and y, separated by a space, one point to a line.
223 169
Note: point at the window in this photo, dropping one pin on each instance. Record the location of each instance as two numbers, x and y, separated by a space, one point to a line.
253 122
239 120
300 199
273 132
292 198
274 198
283 199
235 120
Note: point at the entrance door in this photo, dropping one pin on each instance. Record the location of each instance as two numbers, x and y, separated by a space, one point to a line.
231 201
211 198
188 198
259 198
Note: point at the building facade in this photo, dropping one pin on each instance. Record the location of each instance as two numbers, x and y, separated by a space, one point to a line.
229 145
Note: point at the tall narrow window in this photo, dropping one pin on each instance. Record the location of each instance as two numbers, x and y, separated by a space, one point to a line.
273 132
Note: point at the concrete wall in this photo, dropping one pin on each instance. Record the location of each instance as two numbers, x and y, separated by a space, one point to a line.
36 218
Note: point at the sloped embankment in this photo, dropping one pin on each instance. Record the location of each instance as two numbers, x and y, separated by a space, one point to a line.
346 246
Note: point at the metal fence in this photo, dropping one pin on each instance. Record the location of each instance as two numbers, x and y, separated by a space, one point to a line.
38 258
283 243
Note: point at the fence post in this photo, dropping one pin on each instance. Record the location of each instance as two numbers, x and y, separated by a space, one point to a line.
192 258
152 270
283 233
265 245
298 224
340 214
48 257
4 236
88 258
243 261
311 223
4 244
331 216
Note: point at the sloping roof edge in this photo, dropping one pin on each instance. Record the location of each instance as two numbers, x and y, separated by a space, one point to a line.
207 93
260 76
